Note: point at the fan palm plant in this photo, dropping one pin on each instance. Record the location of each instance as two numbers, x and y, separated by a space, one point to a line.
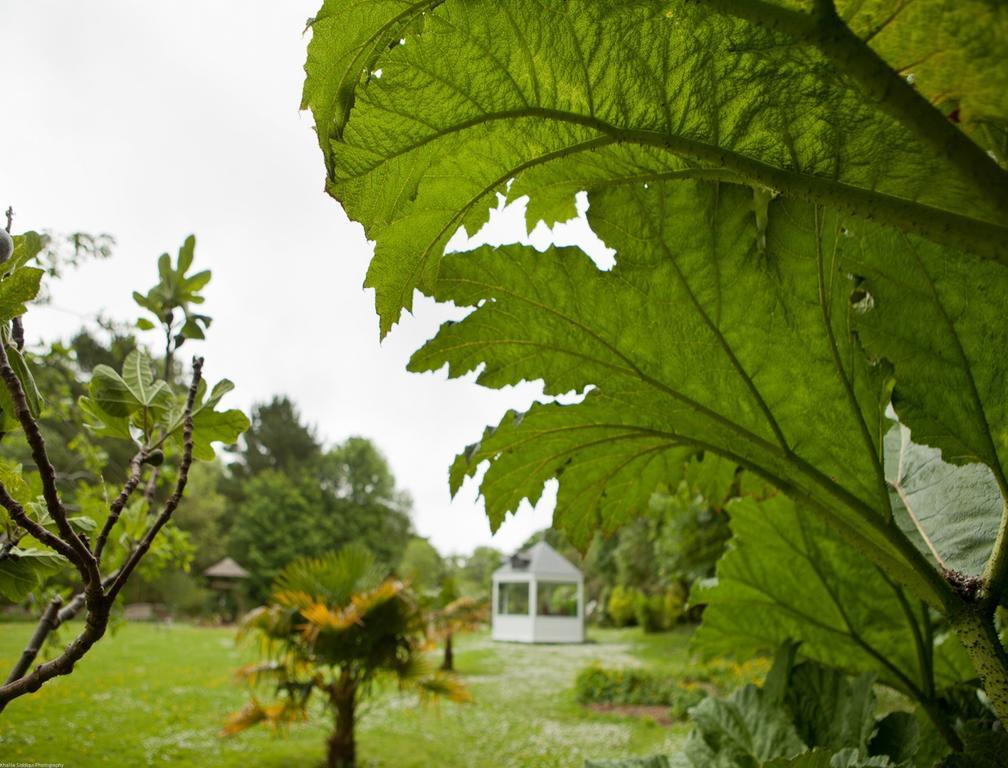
333 625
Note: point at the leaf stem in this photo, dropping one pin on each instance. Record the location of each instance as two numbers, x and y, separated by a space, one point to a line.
116 508
974 625
996 571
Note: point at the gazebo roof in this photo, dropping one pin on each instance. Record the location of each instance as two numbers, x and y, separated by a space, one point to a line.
226 569
539 560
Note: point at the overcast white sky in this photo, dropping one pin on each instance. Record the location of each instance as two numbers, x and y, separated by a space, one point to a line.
153 120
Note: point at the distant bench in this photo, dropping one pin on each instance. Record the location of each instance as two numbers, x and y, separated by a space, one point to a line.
158 612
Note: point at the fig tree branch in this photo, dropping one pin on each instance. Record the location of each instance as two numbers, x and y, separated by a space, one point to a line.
46 472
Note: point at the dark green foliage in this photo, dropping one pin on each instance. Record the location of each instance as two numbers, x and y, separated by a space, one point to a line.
622 606
650 612
277 439
422 566
658 612
345 495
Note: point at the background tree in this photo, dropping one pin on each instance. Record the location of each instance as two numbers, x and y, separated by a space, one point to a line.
278 440
475 574
280 520
289 498
334 624
422 566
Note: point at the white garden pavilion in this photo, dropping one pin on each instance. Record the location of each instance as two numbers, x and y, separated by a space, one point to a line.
538 597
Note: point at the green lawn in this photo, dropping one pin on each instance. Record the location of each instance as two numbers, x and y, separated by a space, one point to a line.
154 695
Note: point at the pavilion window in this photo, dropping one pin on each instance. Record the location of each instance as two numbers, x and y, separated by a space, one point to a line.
513 598
555 598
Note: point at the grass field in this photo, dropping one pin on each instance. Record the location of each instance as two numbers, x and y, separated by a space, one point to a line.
157 695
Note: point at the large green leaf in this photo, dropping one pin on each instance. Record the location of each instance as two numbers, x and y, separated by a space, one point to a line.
938 316
16 288
788 576
951 512
209 425
22 570
8 416
138 375
733 336
824 758
742 731
490 90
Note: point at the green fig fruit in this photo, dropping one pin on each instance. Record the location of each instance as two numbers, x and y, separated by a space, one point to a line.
6 245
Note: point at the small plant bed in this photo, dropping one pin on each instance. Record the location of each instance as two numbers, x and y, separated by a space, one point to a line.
662 696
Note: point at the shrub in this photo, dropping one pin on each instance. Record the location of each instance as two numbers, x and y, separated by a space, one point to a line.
650 612
622 605
598 685
184 594
675 604
657 613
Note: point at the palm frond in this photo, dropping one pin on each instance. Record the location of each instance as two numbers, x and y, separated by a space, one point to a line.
320 618
332 578
253 713
442 685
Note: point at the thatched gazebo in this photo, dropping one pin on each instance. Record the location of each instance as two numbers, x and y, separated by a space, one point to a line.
225 577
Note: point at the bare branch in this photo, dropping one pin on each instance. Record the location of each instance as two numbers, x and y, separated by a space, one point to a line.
94 628
152 482
48 622
17 333
54 615
116 508
51 540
